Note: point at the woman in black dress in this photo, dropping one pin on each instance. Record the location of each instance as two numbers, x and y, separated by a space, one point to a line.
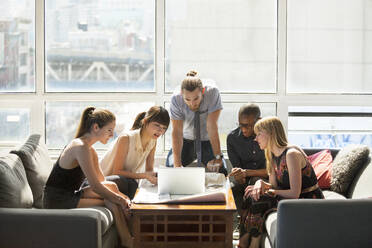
79 160
291 176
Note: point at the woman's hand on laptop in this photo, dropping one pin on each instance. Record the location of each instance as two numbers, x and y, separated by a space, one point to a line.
151 177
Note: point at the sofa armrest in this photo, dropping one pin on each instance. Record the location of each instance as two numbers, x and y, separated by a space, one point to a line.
324 223
52 228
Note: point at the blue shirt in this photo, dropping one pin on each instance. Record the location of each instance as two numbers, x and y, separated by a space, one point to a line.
179 110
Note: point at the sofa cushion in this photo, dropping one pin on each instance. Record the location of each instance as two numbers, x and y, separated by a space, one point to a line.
362 184
106 217
346 165
317 223
322 165
332 195
270 225
35 159
14 189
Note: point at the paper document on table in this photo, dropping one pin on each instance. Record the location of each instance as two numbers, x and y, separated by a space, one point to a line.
215 192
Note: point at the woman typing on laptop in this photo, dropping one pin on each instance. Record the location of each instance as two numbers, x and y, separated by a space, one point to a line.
135 148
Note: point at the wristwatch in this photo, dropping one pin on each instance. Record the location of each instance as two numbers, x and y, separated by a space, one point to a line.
219 156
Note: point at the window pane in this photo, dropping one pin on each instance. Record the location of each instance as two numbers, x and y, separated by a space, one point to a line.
228 120
62 119
329 46
330 127
99 46
17 46
232 42
15 125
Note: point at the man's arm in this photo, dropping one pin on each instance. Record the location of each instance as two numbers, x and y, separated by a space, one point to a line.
177 141
256 173
212 129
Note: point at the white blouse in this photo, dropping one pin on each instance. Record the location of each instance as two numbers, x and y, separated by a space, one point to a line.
136 156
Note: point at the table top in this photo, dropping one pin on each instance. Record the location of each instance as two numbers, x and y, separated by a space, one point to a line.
228 206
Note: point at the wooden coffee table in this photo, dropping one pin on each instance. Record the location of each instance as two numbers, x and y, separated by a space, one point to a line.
161 225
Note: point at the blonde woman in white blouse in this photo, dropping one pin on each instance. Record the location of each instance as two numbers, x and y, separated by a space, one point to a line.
132 155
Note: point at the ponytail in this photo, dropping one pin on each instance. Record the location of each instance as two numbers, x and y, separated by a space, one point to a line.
154 114
137 124
92 115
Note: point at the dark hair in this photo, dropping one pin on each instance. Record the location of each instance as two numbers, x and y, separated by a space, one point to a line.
191 82
250 109
92 115
155 113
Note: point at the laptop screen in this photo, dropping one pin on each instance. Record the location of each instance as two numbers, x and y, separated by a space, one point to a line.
181 181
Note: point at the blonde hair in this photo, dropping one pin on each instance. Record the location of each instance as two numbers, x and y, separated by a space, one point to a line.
191 82
273 127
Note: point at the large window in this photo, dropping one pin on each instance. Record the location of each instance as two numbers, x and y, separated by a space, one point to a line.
17 46
99 46
232 42
15 124
308 62
330 46
62 119
333 127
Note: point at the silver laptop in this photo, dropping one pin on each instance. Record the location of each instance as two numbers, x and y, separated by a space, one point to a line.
181 181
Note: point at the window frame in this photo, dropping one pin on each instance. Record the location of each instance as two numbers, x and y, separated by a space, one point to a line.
36 101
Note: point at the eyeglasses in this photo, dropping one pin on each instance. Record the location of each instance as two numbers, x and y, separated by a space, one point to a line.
159 127
247 126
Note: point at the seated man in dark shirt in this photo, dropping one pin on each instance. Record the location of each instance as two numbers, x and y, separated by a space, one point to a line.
245 155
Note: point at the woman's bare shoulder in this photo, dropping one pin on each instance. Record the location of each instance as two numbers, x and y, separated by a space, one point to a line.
123 139
77 147
123 135
73 152
293 150
295 153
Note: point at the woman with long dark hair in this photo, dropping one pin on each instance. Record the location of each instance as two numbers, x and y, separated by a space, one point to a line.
132 155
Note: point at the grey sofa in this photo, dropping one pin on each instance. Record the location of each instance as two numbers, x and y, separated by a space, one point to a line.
23 173
338 221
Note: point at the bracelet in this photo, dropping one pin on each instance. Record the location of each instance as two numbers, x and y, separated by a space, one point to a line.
271 193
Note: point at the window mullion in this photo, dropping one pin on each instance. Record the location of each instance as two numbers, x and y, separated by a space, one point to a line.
282 105
37 119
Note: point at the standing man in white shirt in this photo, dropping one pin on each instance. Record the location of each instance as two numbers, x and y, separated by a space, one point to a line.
194 115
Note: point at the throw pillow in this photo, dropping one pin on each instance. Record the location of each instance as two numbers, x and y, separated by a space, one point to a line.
346 165
14 189
35 159
322 165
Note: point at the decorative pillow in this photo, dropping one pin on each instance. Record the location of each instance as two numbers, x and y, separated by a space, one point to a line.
346 165
361 187
322 165
14 189
35 159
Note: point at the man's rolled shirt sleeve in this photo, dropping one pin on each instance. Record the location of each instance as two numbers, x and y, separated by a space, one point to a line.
176 112
215 102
